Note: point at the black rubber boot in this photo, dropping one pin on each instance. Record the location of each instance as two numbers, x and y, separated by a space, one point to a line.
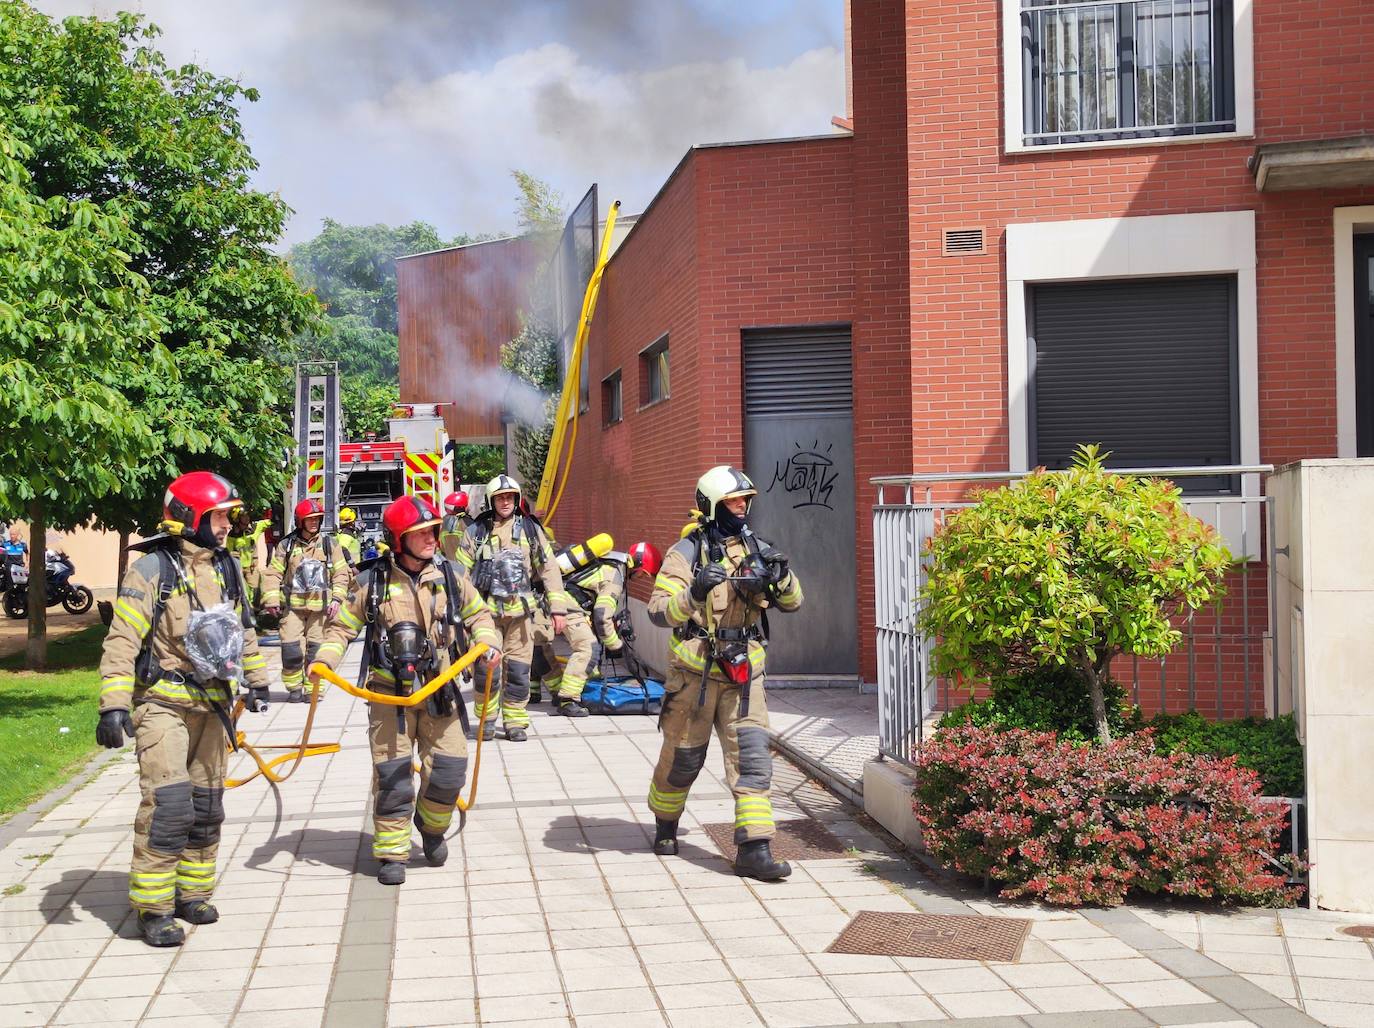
197 912
665 837
160 930
515 733
488 732
295 696
570 708
536 695
436 849
755 860
393 872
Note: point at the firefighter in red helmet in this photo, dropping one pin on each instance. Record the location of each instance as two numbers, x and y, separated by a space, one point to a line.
180 645
419 613
304 584
455 523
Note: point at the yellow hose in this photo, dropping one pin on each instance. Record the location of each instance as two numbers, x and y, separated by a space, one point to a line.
318 670
304 748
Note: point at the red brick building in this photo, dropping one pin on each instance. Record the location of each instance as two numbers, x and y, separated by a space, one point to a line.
1144 224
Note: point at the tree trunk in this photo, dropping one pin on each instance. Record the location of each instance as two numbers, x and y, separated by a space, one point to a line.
1093 678
123 558
37 655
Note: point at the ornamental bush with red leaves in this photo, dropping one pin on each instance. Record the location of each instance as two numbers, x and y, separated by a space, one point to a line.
1076 824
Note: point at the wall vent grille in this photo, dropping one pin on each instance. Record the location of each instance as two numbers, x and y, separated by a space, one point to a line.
963 242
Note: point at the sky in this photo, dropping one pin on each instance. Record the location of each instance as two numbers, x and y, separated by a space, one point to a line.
399 110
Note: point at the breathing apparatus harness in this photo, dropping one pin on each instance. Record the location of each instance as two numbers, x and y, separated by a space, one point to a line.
171 576
288 546
496 576
405 649
728 648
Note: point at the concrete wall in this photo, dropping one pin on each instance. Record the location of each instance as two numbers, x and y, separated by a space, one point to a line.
1325 650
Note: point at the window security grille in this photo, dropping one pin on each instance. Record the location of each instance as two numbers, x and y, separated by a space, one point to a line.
1094 70
963 242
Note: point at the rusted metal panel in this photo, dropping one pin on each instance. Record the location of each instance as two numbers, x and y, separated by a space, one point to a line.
457 308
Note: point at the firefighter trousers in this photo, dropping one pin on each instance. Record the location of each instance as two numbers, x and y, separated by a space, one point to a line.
565 681
182 756
302 631
443 752
511 698
687 724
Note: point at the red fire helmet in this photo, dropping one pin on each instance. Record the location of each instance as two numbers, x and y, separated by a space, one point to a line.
645 557
454 502
309 509
193 495
407 514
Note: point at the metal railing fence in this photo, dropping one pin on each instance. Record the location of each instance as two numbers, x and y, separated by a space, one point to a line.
1229 644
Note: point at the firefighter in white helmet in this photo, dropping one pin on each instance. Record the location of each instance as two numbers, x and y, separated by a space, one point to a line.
712 591
503 551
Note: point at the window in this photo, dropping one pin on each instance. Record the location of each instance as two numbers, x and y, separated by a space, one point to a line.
1094 71
1147 368
611 406
653 373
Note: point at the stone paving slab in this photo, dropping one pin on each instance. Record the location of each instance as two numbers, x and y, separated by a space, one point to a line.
551 910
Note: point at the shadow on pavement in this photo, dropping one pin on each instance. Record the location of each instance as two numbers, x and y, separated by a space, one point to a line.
104 895
618 835
314 846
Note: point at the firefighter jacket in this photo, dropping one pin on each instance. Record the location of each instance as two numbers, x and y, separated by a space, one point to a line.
488 536
423 600
451 531
245 547
135 612
727 618
290 565
352 548
600 591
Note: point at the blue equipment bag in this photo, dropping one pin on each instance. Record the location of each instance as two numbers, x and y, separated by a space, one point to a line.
623 695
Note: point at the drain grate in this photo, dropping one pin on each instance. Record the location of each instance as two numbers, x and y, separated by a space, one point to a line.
942 936
797 839
1359 931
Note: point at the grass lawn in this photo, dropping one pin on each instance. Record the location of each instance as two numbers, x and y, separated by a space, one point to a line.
35 755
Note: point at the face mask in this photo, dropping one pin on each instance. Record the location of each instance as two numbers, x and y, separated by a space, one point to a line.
214 642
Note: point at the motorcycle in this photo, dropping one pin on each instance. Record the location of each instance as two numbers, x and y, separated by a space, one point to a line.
14 582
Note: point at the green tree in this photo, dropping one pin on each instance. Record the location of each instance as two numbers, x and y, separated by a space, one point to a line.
1068 569
351 269
99 119
532 356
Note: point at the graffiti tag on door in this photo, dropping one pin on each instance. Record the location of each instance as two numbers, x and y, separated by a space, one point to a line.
807 476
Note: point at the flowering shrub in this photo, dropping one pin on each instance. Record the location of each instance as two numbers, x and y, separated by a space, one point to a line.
1079 824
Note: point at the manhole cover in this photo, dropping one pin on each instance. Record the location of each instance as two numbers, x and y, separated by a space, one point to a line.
942 936
797 839
1360 931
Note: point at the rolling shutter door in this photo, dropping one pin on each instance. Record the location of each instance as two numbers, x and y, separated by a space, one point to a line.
797 371
1145 368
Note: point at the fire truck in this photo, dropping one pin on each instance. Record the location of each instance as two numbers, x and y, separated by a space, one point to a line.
367 475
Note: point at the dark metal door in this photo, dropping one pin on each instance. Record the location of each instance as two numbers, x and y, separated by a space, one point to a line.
799 450
1364 345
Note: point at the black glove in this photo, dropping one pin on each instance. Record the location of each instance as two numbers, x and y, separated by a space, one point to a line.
257 700
113 727
776 560
708 576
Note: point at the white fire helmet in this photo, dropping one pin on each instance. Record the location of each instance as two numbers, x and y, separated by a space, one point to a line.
721 483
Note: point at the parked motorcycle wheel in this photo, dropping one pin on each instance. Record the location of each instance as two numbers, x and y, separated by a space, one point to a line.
16 606
78 600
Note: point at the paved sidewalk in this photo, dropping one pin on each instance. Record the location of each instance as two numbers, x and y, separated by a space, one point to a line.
552 911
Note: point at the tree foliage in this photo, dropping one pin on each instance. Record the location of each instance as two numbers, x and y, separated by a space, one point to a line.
351 269
1068 569
143 306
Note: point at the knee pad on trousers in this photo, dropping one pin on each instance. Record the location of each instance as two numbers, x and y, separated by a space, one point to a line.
208 805
446 779
540 667
687 764
292 657
173 817
310 652
395 787
517 688
755 762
